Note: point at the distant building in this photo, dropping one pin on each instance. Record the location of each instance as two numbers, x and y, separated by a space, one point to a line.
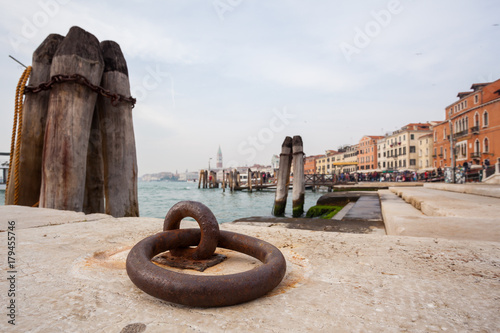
275 162
424 148
324 163
349 162
219 159
310 164
399 149
188 176
474 121
368 153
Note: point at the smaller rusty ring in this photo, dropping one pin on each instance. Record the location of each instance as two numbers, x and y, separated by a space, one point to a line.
208 226
205 291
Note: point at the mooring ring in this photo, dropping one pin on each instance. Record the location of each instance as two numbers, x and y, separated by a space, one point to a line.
200 290
208 226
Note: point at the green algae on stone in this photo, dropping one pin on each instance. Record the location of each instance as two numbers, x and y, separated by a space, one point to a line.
325 212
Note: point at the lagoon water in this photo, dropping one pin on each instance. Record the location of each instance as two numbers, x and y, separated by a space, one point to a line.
156 198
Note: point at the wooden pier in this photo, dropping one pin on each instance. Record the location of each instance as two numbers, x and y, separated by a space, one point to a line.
232 181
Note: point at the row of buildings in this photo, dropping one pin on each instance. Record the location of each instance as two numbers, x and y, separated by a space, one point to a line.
471 130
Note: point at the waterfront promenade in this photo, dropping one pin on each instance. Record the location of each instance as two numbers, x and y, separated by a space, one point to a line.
71 276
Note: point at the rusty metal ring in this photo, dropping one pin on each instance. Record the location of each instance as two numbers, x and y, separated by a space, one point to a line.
199 290
207 222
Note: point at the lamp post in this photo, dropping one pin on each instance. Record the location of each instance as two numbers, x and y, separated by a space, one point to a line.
452 150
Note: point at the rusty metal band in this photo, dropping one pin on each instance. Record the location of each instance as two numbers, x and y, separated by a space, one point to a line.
208 225
80 79
205 291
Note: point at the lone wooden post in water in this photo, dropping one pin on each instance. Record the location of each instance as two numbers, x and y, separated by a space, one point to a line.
249 177
33 129
69 118
283 177
298 177
118 142
231 182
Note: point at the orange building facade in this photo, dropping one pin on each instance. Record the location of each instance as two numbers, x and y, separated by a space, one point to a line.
474 122
367 156
310 164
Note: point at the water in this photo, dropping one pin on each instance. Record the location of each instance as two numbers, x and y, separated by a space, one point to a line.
156 198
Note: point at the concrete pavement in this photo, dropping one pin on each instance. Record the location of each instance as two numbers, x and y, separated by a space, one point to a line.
71 274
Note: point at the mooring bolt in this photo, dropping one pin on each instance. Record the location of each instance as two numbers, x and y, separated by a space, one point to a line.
200 290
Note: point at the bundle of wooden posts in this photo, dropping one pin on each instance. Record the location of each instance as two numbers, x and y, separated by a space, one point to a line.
77 147
208 179
291 149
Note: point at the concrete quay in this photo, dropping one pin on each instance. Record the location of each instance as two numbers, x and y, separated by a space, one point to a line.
71 278
443 210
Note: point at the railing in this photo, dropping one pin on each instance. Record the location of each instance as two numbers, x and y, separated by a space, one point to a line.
475 155
461 133
474 130
490 171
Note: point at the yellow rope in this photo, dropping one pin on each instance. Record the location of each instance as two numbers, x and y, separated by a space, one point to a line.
16 129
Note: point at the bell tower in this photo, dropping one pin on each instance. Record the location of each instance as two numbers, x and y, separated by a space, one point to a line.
219 159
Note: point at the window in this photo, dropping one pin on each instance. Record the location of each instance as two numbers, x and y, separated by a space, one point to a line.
412 149
465 104
444 133
476 146
476 119
413 161
412 137
445 153
476 99
486 145
420 164
485 119
420 152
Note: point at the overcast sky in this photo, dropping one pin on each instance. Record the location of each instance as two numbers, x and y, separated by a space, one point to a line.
243 74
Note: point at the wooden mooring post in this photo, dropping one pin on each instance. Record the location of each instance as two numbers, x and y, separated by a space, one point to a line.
298 177
118 142
69 119
283 177
249 178
200 180
33 129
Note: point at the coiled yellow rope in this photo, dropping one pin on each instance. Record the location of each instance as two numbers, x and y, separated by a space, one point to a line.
15 144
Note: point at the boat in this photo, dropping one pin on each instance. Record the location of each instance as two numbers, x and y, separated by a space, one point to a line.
4 171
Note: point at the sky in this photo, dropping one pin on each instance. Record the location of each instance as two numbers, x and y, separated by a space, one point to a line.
244 74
